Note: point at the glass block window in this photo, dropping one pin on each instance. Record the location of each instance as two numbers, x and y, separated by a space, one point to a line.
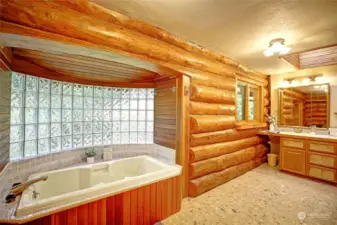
51 116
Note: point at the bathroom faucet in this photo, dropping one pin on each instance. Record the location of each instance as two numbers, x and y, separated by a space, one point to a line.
18 188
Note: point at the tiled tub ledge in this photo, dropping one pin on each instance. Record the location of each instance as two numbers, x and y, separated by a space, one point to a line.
19 171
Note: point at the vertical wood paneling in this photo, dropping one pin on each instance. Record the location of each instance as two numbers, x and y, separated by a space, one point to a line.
153 203
174 194
36 222
133 207
142 206
110 210
165 114
126 208
159 201
169 197
164 199
119 204
72 216
61 218
147 203
5 103
101 212
83 215
92 219
179 194
46 220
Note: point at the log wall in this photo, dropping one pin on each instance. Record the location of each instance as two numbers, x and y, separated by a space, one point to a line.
287 109
315 111
220 147
213 76
165 114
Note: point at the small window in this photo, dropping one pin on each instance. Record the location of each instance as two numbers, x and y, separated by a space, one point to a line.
248 102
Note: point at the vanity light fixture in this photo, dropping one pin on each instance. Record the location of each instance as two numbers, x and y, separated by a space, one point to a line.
276 46
303 81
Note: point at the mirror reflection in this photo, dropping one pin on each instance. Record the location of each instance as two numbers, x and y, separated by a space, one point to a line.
304 106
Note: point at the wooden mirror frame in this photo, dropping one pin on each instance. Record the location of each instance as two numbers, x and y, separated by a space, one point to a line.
327 107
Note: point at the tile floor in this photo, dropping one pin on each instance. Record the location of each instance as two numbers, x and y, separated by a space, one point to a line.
263 196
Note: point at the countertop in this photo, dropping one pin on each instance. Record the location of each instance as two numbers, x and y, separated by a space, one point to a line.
306 136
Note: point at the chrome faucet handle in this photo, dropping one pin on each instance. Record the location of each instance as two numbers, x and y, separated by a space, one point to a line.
35 194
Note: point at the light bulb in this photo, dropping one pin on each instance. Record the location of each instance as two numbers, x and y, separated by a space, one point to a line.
277 47
285 50
268 52
284 83
294 83
319 79
306 81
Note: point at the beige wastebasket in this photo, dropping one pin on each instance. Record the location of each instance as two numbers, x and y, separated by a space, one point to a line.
272 159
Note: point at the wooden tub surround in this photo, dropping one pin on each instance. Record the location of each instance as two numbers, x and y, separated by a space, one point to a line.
144 205
314 157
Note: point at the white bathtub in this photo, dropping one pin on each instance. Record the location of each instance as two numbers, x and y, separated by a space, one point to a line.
84 183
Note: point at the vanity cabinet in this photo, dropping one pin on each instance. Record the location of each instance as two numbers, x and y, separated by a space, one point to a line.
293 160
317 159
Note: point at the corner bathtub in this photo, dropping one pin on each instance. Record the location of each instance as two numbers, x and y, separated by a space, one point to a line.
88 183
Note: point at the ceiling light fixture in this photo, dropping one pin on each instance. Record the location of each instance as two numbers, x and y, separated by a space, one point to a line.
276 46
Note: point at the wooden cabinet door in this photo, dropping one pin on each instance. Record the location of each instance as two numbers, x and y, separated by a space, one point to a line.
293 160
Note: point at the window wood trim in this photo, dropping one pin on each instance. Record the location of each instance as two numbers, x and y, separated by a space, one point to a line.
258 101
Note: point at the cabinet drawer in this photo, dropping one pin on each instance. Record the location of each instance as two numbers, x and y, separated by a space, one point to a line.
322 173
322 159
324 147
293 160
293 143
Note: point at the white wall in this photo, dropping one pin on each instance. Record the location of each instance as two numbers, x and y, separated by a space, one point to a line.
329 72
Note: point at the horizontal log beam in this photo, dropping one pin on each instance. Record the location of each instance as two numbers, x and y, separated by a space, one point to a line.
200 93
110 16
59 19
315 114
206 79
221 136
205 183
203 108
222 162
266 102
213 150
246 79
294 94
206 123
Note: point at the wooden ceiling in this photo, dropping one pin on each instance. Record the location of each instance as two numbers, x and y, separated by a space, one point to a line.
86 67
322 56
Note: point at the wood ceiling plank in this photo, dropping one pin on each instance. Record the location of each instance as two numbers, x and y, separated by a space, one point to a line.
23 66
319 52
83 72
318 58
80 59
111 73
318 64
313 58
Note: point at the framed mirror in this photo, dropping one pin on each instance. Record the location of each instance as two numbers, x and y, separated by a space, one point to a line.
304 106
